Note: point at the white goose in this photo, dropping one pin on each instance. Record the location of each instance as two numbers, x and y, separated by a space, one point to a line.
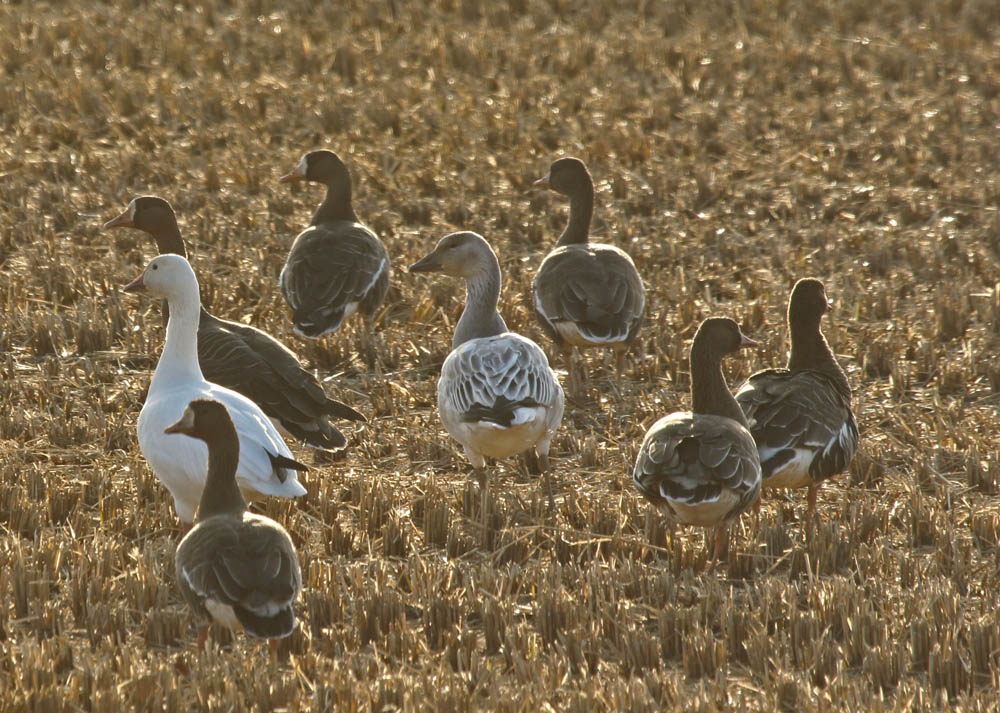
497 395
266 466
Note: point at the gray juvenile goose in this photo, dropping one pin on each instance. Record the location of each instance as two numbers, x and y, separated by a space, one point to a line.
243 358
586 294
336 266
497 395
800 416
701 467
235 567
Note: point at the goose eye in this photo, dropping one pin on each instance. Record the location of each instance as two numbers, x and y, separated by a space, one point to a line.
156 267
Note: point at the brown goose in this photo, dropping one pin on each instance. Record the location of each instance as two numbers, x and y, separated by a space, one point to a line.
800 416
235 567
586 294
336 266
701 466
246 359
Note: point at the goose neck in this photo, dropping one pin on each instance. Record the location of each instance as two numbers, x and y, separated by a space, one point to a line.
179 359
810 350
709 392
336 206
221 494
581 210
480 318
168 239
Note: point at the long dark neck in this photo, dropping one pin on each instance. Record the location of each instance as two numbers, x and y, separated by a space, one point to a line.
581 210
336 206
221 494
709 392
480 318
810 350
168 239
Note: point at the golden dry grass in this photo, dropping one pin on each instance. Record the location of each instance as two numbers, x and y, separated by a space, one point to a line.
736 145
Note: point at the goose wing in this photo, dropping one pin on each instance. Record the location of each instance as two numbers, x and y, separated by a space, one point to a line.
331 269
702 469
248 564
486 378
261 368
796 415
595 287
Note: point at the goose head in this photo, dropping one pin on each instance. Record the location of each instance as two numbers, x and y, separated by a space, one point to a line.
148 213
807 303
567 176
166 276
321 167
205 419
153 215
463 254
718 336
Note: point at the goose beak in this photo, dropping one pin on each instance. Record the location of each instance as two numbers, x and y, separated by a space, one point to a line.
746 341
135 285
542 183
293 177
122 221
427 264
184 425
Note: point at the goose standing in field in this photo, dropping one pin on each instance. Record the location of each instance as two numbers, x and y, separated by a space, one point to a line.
701 466
586 294
497 395
235 567
266 466
800 416
246 359
336 266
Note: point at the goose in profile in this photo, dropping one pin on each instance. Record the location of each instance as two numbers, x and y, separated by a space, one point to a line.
497 395
336 266
246 359
266 466
801 416
700 467
586 294
235 567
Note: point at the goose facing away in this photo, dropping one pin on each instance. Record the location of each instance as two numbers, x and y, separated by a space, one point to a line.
235 567
497 395
265 467
701 467
336 266
246 359
801 416
586 294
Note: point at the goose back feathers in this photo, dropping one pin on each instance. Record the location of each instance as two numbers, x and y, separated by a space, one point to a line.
236 567
336 266
246 359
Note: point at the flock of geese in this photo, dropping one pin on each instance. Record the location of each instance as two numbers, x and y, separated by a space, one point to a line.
223 393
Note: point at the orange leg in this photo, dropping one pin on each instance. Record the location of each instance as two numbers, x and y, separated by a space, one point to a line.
721 540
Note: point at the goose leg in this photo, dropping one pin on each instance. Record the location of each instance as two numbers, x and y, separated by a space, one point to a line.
721 540
811 516
543 464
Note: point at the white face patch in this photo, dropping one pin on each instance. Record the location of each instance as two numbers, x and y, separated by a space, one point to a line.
131 210
302 168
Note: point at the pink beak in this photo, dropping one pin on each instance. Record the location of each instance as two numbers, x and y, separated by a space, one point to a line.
135 285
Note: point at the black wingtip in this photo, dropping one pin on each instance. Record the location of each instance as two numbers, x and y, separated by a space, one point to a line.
342 410
281 463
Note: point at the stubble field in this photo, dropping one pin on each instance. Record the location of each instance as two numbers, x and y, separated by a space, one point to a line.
736 146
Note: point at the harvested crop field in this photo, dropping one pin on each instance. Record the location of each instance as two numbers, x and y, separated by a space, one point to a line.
736 146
